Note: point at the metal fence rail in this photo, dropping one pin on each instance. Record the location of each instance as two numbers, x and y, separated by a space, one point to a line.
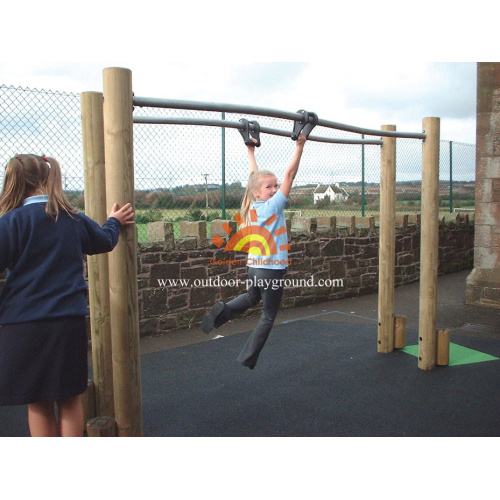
186 171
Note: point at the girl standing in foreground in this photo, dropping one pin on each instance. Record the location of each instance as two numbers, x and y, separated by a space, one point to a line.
265 196
43 304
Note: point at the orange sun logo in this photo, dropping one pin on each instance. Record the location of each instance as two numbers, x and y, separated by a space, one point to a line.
252 239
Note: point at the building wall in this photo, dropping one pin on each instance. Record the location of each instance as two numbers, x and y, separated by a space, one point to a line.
483 284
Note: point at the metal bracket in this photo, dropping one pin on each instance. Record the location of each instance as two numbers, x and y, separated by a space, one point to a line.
305 125
247 133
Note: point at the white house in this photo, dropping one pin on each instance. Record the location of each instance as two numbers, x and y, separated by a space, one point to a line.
334 192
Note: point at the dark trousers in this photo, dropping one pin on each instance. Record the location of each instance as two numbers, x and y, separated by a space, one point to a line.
266 285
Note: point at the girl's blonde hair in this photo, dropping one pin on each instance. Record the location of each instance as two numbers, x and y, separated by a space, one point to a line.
254 182
24 175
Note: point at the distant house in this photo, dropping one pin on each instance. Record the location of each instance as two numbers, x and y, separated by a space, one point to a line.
334 192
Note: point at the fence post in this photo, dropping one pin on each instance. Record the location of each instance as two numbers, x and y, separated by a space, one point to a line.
429 246
97 265
387 245
223 168
451 177
118 140
362 177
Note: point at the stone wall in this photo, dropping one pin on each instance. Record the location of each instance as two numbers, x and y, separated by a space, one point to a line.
326 248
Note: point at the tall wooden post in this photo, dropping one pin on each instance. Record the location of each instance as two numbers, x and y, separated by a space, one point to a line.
97 265
118 140
387 245
429 245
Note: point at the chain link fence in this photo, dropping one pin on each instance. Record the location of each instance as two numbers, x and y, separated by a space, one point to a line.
188 172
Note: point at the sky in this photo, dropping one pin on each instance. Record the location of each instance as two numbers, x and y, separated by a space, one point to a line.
367 93
360 63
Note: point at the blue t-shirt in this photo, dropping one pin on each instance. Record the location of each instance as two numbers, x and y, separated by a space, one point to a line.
271 216
44 261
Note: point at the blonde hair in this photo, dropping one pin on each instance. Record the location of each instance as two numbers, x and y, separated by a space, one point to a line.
24 175
254 182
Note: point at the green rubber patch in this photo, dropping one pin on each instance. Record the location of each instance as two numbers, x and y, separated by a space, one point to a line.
459 355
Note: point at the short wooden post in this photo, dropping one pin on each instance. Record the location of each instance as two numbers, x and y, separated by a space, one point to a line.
97 265
89 402
387 245
118 141
101 427
443 347
429 246
399 332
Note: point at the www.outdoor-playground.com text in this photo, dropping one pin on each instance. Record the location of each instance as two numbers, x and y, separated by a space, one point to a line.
261 283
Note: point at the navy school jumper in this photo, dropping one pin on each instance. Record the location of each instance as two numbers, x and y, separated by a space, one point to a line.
44 261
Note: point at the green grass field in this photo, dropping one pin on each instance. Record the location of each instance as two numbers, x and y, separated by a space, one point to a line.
172 214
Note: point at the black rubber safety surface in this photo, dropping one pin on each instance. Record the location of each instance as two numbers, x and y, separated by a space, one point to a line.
314 378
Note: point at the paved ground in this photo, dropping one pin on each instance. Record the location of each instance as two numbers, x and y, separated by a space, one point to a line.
452 313
320 375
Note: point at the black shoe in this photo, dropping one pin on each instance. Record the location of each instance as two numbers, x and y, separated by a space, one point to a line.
247 364
208 322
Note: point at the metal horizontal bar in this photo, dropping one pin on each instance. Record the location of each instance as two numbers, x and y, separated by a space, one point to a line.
153 102
367 131
238 125
214 106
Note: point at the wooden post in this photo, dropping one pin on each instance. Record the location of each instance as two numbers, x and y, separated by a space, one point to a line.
101 427
429 245
399 332
97 265
443 347
118 141
387 245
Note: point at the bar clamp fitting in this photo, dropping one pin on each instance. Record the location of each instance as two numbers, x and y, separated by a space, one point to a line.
249 130
305 124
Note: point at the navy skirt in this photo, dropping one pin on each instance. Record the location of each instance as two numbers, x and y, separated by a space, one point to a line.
43 360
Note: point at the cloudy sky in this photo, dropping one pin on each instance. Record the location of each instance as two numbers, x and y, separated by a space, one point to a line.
366 93
370 63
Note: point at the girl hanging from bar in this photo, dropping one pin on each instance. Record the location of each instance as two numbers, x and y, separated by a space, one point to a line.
262 207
